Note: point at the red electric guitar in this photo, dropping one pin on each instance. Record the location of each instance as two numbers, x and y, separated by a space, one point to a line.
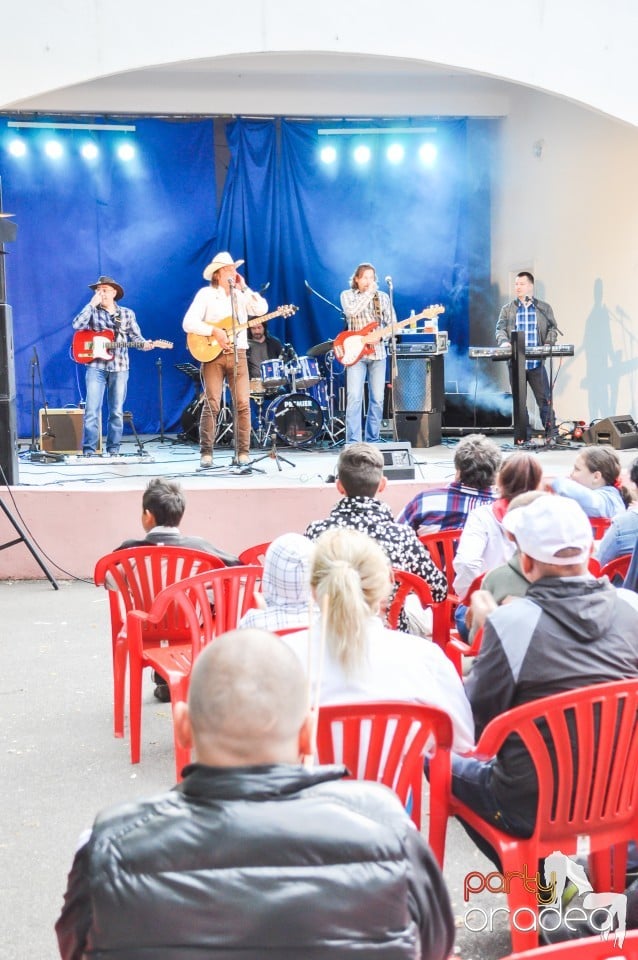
350 345
88 345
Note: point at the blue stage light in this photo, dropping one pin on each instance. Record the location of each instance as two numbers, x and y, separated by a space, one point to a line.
428 153
17 148
89 151
126 152
362 154
395 153
53 149
328 155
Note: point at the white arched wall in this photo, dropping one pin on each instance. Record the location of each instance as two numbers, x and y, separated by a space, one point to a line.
565 195
584 52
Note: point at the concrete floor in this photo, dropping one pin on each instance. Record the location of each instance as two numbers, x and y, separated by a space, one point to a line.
61 764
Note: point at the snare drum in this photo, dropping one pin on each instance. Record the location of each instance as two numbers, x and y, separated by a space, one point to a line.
257 387
273 373
306 372
296 418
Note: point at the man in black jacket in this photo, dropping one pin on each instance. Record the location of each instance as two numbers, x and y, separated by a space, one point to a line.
253 854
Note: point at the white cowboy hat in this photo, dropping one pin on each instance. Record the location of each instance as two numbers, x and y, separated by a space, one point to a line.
220 260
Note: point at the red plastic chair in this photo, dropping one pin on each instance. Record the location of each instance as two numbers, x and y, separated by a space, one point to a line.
254 554
456 648
134 577
441 546
595 798
385 741
617 567
599 525
199 609
407 583
589 948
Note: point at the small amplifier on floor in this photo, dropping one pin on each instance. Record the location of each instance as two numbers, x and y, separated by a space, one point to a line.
397 461
61 430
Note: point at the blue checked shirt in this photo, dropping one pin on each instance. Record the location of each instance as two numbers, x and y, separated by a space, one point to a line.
526 321
444 508
127 331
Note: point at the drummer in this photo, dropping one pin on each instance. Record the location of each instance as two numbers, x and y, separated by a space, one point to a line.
261 346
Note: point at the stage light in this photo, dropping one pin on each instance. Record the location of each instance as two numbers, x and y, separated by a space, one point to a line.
53 149
89 151
427 153
395 153
328 155
126 152
17 148
362 154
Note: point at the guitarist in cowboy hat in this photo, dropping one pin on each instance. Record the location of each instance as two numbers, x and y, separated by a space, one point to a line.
210 307
104 315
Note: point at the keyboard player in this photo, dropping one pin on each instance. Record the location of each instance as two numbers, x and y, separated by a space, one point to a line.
535 318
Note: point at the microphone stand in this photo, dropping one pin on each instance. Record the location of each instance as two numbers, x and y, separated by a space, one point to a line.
158 364
34 447
321 297
241 468
394 372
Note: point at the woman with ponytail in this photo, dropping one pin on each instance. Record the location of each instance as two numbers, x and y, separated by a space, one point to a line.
350 656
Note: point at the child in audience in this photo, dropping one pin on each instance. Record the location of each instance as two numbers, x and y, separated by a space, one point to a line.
595 483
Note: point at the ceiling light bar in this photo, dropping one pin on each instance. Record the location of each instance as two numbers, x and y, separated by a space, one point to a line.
372 131
126 128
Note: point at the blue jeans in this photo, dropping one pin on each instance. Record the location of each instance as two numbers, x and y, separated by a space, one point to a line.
471 783
97 381
374 372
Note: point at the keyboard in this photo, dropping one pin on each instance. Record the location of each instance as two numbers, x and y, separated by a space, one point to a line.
505 353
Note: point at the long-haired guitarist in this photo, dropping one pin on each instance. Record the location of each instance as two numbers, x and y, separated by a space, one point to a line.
363 303
104 315
209 315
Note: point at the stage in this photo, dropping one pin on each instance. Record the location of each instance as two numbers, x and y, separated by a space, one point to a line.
76 510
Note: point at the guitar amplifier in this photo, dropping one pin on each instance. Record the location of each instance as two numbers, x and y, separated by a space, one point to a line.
61 430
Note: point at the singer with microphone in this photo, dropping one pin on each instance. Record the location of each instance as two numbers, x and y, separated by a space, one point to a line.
363 303
535 318
103 314
228 296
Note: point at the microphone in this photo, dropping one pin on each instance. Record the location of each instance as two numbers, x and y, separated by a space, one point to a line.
231 281
388 281
265 287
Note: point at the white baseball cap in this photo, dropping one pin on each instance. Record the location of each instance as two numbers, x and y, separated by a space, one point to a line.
548 525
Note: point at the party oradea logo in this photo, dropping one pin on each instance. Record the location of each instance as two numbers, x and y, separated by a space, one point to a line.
599 912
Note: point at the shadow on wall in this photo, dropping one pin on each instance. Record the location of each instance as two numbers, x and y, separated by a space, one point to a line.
610 351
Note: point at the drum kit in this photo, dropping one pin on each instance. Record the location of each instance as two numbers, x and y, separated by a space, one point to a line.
293 402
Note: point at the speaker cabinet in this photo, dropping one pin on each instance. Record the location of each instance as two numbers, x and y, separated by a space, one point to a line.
7 364
61 430
421 429
8 442
397 461
419 386
621 433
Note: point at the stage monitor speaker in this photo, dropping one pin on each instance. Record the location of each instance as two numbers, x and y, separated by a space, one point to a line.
61 430
421 429
7 363
419 386
621 433
397 461
8 442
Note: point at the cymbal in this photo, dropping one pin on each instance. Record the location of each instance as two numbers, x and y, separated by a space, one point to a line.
320 349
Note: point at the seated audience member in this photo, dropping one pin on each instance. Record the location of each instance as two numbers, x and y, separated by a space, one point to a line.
476 461
569 631
360 480
503 582
253 855
285 586
594 483
363 660
631 580
163 506
622 535
484 543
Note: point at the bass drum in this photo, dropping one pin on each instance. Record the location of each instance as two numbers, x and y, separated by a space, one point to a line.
296 419
190 419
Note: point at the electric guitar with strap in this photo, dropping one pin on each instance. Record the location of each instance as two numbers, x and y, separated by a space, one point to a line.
204 348
351 345
88 345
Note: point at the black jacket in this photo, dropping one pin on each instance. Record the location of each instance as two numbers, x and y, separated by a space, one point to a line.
252 862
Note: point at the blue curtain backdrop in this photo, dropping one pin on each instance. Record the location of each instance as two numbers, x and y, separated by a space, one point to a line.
153 225
149 223
426 227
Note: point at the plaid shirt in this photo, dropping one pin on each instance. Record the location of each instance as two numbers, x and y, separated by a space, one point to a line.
360 310
526 321
444 508
126 331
